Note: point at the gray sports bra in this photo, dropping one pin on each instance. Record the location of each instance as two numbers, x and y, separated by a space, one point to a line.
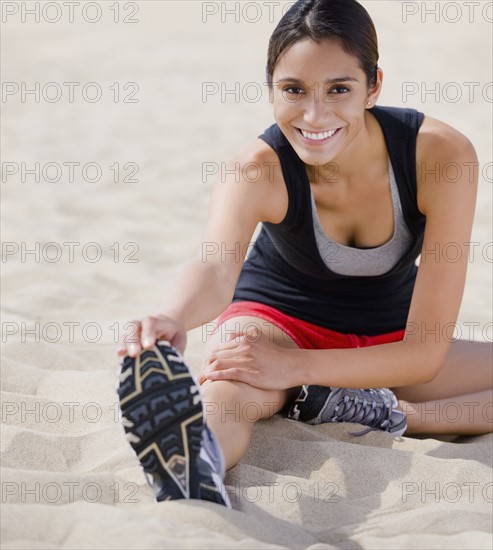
347 260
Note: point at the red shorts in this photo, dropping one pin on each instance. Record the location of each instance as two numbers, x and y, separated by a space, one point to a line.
306 335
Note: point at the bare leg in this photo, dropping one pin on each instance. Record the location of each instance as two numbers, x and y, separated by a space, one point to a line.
459 400
470 414
231 408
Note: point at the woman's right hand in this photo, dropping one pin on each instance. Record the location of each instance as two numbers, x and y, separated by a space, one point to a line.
142 334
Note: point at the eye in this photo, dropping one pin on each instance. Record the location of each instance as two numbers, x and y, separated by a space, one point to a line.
294 90
340 89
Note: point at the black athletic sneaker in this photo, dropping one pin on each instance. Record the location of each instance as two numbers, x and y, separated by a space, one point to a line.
163 418
375 408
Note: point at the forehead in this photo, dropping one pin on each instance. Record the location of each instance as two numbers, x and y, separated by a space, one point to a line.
310 60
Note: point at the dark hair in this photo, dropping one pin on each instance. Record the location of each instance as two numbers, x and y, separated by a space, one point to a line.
345 21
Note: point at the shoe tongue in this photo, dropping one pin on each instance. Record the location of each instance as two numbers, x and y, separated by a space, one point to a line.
211 452
358 408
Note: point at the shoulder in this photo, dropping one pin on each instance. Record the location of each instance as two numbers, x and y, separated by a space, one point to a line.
258 157
257 167
443 156
437 141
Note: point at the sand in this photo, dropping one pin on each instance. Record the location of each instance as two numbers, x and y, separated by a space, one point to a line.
69 477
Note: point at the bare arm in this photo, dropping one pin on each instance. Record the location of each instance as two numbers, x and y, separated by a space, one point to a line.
239 201
205 285
200 293
449 207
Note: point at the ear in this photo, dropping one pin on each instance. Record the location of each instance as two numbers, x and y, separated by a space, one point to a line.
374 93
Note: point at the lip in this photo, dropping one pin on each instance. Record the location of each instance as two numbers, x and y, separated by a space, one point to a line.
316 141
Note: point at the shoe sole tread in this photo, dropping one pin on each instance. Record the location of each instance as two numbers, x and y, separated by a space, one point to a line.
163 419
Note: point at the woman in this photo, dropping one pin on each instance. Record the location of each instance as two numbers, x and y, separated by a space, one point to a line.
330 299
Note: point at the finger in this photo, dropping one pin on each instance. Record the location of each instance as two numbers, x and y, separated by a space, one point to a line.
120 347
130 333
224 357
230 344
239 375
216 366
179 341
148 332
232 336
209 367
131 337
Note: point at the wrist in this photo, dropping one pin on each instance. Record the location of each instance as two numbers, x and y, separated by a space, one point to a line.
169 312
173 315
298 367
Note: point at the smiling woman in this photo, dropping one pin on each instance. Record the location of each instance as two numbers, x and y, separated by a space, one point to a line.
330 318
312 110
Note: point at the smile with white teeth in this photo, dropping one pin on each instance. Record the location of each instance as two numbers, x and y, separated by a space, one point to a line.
319 136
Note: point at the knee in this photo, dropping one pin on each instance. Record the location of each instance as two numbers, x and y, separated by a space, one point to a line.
225 390
239 402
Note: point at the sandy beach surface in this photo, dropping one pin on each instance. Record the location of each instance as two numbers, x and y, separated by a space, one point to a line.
113 126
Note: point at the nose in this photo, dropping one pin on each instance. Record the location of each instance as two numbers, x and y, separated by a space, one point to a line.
316 110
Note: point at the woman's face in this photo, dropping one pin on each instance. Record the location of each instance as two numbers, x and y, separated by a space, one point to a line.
319 96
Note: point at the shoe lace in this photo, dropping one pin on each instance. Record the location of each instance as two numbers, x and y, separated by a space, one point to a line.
356 406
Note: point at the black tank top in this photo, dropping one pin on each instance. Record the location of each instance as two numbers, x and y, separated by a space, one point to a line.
285 270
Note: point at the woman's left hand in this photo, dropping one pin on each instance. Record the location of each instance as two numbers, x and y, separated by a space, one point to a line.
251 358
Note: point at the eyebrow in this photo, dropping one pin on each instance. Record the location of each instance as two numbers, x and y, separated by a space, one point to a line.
328 81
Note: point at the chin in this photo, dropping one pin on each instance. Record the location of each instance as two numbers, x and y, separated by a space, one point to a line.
313 158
